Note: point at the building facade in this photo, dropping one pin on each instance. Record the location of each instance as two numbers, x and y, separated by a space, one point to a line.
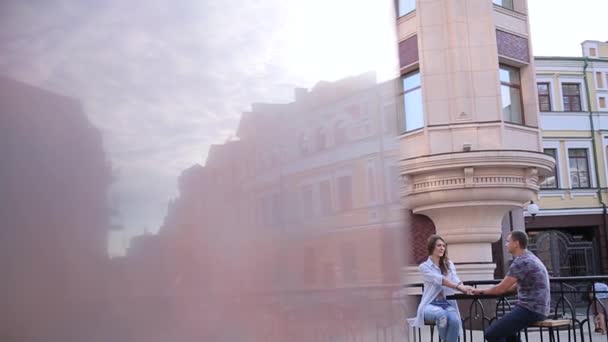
569 232
470 145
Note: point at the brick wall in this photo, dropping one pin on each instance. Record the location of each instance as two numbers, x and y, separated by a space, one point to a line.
512 46
408 51
421 228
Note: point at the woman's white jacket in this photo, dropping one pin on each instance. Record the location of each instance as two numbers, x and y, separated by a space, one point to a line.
433 285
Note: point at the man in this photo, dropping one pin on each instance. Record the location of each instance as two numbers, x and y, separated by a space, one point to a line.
529 277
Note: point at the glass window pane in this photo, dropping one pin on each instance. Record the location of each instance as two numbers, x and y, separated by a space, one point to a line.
414 116
411 81
509 75
550 181
579 168
406 6
543 88
345 192
544 103
570 89
325 191
583 179
511 104
575 104
504 3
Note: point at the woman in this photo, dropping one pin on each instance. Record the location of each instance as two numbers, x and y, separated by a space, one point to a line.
598 292
440 280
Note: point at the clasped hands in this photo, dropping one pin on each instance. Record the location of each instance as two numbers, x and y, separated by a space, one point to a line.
469 290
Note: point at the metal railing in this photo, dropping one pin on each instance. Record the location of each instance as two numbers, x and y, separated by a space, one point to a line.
572 298
380 313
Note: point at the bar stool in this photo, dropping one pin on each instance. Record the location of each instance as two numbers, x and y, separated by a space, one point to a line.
430 324
552 325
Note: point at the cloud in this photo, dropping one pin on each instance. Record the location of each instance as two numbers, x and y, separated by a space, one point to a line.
163 80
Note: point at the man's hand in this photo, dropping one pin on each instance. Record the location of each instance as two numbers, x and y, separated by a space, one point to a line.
477 292
466 289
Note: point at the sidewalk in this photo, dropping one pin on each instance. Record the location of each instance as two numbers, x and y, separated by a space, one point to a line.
533 335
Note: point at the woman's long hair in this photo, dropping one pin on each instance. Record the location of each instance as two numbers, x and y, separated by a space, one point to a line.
443 261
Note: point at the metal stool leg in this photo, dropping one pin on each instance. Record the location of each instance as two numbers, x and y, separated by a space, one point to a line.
541 334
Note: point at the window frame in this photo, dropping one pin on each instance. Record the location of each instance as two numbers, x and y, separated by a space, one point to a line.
401 95
555 171
326 204
398 8
502 5
579 85
548 95
601 108
345 203
599 80
588 166
513 86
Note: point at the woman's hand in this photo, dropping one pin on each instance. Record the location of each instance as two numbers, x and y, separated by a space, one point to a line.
465 289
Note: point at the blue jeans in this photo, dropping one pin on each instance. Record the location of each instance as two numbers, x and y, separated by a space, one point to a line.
446 320
506 328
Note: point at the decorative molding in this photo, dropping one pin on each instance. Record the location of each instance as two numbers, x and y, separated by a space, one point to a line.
561 194
485 159
470 181
440 183
562 212
574 194
468 176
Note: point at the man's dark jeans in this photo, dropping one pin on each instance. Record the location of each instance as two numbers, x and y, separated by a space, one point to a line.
506 328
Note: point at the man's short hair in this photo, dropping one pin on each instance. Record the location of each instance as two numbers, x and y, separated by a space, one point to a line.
520 237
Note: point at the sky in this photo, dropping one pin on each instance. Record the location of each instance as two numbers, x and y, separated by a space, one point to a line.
558 27
163 80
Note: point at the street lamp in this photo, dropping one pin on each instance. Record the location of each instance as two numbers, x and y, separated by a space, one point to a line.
533 209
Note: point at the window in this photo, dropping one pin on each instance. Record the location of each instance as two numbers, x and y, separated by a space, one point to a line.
550 181
579 168
544 97
321 139
276 210
602 102
340 133
310 262
349 263
510 89
325 191
329 274
307 202
504 3
592 52
406 6
345 192
572 97
600 79
304 144
412 101
291 207
371 181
